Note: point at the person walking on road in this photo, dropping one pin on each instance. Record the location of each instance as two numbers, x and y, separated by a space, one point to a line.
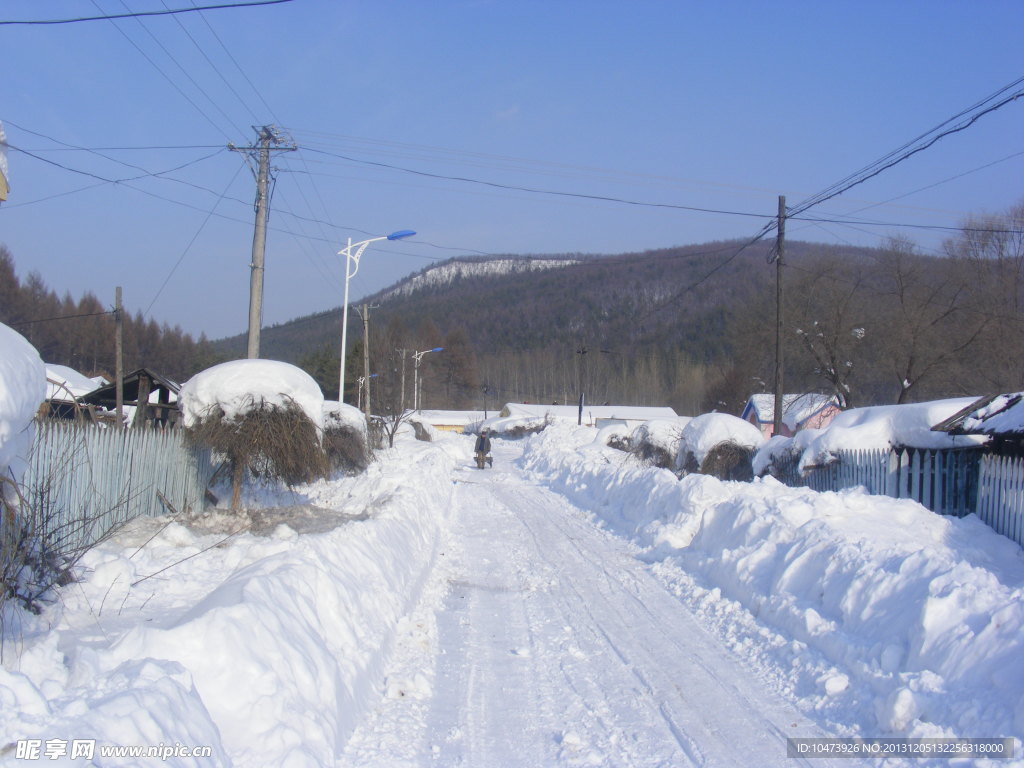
482 449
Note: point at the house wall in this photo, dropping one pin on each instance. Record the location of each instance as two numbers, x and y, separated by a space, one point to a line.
822 418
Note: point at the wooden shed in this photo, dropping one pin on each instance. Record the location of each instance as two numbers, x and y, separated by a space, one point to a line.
154 398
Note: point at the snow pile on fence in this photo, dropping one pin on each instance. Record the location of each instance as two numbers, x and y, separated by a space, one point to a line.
22 391
918 619
267 648
875 427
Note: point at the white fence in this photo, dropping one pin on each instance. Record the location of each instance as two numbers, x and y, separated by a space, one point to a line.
950 482
86 479
1001 495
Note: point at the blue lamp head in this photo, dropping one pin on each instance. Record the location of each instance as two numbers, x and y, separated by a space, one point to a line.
400 234
437 349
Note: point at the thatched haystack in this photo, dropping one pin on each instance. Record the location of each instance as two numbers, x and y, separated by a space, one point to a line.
729 461
264 416
345 438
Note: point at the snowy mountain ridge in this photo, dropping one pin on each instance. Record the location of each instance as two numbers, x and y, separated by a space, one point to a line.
446 273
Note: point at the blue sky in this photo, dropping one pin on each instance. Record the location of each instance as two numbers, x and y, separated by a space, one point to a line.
717 105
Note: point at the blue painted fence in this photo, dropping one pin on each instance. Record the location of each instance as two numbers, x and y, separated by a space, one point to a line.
951 482
86 480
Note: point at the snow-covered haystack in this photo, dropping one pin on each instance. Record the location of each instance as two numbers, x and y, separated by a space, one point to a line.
718 444
22 390
656 442
263 415
345 437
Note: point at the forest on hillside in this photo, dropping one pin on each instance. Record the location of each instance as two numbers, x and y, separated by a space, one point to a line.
79 333
694 327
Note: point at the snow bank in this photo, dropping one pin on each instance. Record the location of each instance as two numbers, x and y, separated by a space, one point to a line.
234 387
267 648
919 617
22 391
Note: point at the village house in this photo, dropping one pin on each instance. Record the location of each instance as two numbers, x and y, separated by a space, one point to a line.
810 410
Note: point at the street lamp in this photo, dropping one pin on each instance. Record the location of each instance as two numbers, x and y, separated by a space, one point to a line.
352 253
417 356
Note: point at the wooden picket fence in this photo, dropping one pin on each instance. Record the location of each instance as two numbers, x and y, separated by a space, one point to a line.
1001 495
84 480
951 482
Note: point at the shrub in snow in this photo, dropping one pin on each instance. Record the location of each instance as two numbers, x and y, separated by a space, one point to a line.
345 438
423 430
616 436
263 415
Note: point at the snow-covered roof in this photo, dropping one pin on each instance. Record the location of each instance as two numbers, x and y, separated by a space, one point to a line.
450 417
63 382
591 413
1001 415
796 409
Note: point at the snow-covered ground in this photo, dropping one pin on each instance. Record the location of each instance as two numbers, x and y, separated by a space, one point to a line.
568 607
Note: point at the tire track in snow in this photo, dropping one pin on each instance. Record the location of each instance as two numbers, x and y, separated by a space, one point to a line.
555 646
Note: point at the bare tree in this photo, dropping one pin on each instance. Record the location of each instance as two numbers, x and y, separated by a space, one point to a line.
830 312
990 252
928 322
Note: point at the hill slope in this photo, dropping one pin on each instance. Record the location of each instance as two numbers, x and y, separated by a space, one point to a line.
645 328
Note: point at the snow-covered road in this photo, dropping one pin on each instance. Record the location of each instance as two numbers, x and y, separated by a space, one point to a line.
554 645
570 606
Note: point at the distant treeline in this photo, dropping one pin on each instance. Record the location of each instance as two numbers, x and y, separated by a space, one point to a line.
79 333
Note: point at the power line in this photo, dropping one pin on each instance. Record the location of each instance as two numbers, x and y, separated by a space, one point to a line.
191 242
164 74
136 14
914 146
534 190
62 317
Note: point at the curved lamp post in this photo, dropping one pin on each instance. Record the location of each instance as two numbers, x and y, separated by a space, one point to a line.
417 356
352 252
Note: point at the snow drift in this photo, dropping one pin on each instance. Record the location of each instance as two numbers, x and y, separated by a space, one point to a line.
918 617
267 648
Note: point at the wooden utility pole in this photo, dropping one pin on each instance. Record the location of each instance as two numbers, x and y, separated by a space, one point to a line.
401 404
118 358
366 356
780 252
267 134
